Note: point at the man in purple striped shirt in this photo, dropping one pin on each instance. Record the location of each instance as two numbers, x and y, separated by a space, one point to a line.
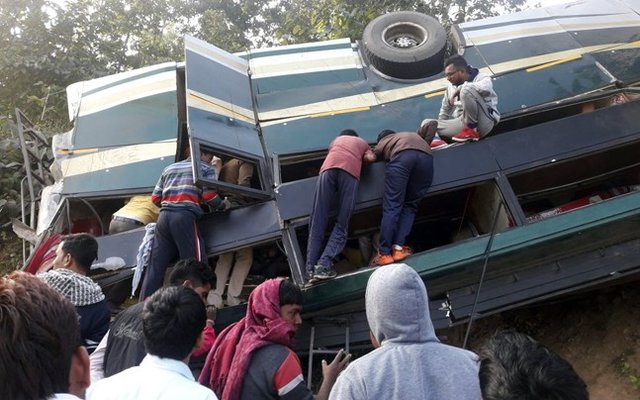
176 233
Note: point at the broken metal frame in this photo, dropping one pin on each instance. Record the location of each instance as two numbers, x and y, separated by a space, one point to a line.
32 143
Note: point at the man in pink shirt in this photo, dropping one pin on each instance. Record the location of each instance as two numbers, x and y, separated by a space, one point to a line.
339 177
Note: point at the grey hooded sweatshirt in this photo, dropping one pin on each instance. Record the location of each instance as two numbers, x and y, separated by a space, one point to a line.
410 363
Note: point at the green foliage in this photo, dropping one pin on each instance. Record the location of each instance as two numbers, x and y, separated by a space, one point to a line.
10 251
312 20
625 369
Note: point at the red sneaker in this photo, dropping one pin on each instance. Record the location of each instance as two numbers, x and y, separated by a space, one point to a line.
438 144
404 252
381 259
466 135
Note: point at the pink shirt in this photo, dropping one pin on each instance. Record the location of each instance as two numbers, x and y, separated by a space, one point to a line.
346 153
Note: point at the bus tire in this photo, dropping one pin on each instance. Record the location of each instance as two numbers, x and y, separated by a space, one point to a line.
405 44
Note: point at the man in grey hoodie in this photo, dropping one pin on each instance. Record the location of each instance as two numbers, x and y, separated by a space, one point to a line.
408 362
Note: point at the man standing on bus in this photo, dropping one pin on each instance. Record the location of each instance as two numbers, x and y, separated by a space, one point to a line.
176 233
469 106
339 177
407 177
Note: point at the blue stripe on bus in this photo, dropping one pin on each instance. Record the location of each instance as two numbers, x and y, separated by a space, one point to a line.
149 119
154 71
522 48
312 134
307 80
224 131
217 80
129 178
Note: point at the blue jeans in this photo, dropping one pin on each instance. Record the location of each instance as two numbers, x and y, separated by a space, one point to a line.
176 238
406 180
333 185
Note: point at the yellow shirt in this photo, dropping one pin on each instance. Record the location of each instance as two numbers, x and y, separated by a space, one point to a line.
141 209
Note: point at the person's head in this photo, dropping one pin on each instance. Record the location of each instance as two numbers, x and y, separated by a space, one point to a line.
290 303
206 156
193 274
456 69
515 366
348 132
76 252
40 344
172 322
397 306
384 134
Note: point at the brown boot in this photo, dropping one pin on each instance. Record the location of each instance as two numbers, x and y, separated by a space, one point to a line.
428 131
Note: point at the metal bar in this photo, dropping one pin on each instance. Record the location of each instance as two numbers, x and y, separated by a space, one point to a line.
292 248
27 164
511 199
484 270
24 245
310 365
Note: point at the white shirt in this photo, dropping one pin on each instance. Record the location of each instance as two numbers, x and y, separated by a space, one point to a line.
96 360
155 378
63 396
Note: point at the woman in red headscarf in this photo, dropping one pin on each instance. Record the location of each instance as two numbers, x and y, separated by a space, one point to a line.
253 358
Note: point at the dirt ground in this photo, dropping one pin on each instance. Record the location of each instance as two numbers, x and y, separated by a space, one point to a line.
598 333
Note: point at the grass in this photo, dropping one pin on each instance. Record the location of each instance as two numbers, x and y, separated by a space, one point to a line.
623 367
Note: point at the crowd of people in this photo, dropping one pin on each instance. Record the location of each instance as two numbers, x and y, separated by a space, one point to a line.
149 350
57 340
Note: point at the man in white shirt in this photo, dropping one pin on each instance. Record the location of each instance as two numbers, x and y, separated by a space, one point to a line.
42 353
172 324
469 106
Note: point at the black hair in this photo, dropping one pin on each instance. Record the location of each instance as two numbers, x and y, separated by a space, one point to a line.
515 366
384 133
289 293
83 248
172 321
206 151
348 132
457 61
191 269
39 333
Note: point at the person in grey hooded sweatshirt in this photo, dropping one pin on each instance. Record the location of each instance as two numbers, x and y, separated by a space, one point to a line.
408 361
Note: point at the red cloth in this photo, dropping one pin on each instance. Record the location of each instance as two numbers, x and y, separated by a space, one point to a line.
346 153
208 338
45 253
229 358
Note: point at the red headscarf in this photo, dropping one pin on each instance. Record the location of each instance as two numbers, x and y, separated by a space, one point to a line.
229 358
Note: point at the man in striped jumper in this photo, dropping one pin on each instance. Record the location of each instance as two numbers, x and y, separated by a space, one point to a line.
176 233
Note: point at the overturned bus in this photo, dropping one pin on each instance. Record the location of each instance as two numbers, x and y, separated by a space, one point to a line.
549 200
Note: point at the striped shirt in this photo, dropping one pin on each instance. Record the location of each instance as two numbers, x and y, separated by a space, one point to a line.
176 189
274 373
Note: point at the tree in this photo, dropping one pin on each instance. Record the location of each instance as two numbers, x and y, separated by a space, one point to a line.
312 20
46 47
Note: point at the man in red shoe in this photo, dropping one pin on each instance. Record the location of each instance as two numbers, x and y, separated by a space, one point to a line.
469 106
407 177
